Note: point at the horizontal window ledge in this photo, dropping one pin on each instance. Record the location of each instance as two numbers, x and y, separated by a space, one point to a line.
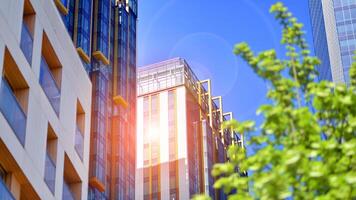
94 182
83 55
100 56
62 8
119 100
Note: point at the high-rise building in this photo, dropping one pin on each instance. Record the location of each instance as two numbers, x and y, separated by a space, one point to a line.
45 106
334 32
179 135
104 34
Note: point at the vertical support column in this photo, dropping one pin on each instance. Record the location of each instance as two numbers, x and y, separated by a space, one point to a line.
220 111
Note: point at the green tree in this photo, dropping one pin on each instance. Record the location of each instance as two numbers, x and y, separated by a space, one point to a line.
306 143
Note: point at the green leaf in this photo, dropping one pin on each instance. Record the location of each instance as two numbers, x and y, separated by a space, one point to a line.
350 178
201 197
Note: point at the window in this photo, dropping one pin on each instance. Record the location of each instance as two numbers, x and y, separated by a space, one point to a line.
353 13
5 194
51 157
14 97
50 74
72 184
67 193
347 14
79 130
2 173
339 16
27 31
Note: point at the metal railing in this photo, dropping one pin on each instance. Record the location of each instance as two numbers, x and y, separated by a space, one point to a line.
50 173
12 111
79 142
26 43
49 86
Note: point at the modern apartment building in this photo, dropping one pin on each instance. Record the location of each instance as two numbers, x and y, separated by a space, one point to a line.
334 32
104 34
45 106
179 135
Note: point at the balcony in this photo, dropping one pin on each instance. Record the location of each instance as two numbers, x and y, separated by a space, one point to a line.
5 194
79 142
49 86
67 193
50 173
26 43
12 111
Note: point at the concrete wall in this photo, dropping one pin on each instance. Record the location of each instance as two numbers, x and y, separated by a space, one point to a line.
75 86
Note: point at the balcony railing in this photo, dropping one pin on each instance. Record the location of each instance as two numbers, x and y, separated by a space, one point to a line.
49 86
67 193
12 111
5 194
79 142
50 173
26 43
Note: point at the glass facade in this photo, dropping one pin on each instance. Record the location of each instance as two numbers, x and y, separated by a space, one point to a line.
98 159
102 21
69 18
12 111
123 85
65 3
104 33
345 20
122 53
194 144
83 29
345 16
50 86
26 43
50 173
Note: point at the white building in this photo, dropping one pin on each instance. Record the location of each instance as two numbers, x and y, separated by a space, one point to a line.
45 105
179 136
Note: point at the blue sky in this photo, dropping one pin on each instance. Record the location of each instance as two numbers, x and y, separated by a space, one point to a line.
205 32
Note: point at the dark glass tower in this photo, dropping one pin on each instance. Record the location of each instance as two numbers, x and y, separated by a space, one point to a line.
104 34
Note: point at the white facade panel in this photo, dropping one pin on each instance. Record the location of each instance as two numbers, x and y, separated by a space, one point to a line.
181 122
164 142
182 142
333 42
75 86
139 139
139 150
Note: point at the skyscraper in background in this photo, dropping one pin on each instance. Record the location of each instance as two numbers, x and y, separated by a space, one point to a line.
179 135
334 34
104 34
